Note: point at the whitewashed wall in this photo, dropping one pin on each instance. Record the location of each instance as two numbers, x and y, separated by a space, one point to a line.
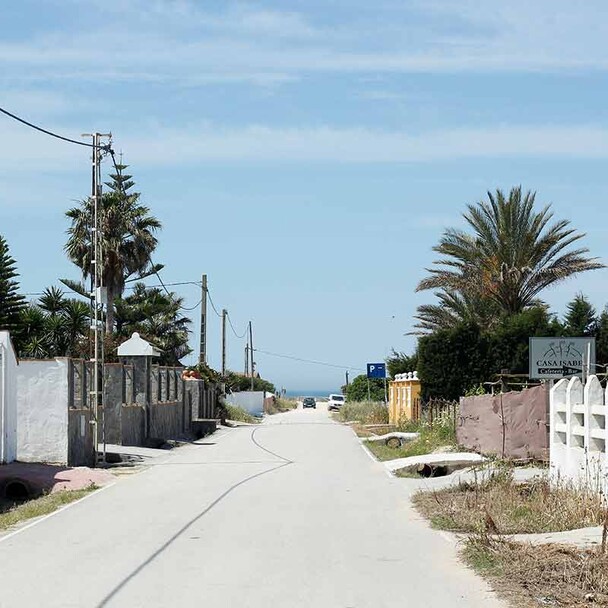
251 401
578 432
42 410
8 399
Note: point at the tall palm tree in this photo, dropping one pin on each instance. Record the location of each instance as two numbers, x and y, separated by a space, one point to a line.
127 238
455 308
511 254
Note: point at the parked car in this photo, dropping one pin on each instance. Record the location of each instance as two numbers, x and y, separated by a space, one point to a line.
309 402
335 402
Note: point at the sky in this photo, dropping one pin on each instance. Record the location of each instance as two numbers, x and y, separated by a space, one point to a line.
305 155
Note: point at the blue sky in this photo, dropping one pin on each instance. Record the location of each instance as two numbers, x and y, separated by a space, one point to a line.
305 155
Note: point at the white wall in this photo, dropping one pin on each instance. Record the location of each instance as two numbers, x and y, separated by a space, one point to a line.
252 401
579 434
42 411
8 399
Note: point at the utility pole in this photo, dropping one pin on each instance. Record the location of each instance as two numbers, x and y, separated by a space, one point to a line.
224 315
347 379
251 351
96 294
202 358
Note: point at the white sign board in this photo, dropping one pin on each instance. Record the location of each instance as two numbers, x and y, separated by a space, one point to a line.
552 358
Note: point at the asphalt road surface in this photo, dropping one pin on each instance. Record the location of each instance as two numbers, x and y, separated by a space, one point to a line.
291 513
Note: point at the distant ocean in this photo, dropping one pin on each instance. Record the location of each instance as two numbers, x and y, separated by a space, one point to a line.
312 393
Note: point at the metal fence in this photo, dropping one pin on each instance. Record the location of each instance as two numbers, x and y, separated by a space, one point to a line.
433 410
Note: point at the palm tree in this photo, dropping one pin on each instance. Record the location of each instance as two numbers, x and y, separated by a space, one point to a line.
156 316
512 254
453 309
55 326
127 239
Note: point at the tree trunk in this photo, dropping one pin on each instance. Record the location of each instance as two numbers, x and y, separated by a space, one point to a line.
110 311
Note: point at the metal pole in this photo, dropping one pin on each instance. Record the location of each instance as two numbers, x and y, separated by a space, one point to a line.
346 379
251 351
369 398
224 314
202 358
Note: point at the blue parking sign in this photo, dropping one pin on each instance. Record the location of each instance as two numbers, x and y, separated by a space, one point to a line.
376 370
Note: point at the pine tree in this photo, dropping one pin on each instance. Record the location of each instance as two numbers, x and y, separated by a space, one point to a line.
581 317
11 302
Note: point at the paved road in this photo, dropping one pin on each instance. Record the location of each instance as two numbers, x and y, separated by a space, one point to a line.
292 513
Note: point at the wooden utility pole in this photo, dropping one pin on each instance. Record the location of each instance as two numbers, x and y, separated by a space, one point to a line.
224 315
202 358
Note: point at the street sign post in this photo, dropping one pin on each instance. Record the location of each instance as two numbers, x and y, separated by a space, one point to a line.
554 358
376 370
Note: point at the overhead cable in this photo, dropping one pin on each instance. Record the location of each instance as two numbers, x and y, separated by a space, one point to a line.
265 352
56 135
240 337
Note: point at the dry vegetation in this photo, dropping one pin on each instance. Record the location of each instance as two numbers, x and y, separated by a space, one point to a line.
497 504
544 575
281 405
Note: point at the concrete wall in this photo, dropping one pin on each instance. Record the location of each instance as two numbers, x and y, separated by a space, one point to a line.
132 420
251 401
8 399
579 436
42 410
510 425
167 420
80 438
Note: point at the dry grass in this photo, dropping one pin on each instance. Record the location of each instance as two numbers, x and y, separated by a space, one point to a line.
495 503
41 506
281 405
544 575
239 414
364 412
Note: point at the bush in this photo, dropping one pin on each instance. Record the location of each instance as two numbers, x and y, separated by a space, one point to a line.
365 412
234 412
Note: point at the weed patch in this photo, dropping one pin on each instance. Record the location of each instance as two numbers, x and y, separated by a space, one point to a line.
495 503
281 405
41 506
431 439
239 414
364 412
543 575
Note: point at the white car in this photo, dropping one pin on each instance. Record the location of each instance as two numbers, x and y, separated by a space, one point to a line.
335 402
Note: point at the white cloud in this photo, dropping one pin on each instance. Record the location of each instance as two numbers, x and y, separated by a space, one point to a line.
205 143
266 144
179 41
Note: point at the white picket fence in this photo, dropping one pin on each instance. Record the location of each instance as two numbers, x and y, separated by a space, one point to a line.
578 434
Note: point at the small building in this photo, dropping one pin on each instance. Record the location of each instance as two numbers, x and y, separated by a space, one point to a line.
404 398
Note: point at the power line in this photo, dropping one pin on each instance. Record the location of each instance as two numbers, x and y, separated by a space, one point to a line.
240 337
105 147
219 314
265 352
192 307
168 284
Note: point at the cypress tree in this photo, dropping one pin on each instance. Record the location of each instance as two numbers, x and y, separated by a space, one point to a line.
11 302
